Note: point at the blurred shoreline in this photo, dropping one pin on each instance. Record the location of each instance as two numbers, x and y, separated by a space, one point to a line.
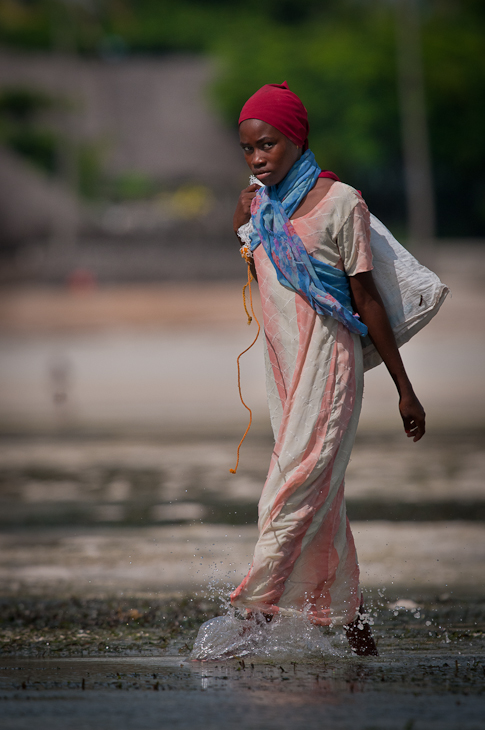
160 359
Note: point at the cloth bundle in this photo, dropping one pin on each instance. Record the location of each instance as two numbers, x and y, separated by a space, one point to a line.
327 291
411 293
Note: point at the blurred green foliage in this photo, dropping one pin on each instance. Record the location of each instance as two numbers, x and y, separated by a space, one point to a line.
130 186
22 104
37 145
24 130
21 130
338 55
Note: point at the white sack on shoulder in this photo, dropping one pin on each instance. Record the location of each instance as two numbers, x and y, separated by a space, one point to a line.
412 294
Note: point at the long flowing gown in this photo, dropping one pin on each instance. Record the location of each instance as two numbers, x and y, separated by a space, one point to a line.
305 559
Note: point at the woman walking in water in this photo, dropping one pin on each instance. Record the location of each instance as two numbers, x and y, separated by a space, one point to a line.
307 236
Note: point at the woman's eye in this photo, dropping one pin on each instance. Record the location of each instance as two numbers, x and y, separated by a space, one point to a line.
267 145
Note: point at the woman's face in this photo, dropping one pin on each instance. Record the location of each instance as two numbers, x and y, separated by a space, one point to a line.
269 154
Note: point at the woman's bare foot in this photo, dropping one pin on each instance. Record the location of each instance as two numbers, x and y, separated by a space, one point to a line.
359 636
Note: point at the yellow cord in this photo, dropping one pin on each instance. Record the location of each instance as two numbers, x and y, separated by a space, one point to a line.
250 319
248 285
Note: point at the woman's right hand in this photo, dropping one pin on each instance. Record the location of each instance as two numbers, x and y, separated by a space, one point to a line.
242 214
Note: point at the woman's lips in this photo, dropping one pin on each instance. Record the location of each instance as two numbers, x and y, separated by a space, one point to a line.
262 175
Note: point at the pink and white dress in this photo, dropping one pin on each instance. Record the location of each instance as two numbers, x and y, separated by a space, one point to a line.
305 559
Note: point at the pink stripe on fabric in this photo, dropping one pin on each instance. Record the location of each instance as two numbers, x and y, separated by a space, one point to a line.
323 550
271 321
305 318
321 556
292 543
237 592
314 446
351 570
290 549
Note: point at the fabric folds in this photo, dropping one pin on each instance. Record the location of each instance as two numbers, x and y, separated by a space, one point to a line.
271 210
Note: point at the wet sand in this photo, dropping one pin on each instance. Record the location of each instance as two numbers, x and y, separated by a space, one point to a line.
411 559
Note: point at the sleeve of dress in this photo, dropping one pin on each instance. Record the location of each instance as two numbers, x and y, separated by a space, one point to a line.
353 241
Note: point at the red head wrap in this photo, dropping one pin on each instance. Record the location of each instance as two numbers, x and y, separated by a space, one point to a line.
275 104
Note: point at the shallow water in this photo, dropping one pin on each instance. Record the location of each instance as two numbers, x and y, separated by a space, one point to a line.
442 673
402 692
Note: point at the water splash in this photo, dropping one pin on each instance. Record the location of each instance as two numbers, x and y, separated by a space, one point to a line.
291 638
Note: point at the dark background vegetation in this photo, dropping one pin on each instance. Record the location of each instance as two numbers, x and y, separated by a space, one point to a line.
338 55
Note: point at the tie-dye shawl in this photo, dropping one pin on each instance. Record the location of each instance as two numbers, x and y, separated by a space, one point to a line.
327 291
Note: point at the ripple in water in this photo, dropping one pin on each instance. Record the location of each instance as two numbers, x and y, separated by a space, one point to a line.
291 638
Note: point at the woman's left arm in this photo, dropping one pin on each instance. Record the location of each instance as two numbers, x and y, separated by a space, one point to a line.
368 303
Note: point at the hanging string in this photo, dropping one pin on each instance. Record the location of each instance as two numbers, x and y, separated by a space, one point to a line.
250 319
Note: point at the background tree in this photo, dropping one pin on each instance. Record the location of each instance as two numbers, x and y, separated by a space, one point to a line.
339 56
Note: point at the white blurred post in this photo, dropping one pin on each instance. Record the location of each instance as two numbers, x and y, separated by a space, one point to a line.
65 232
415 140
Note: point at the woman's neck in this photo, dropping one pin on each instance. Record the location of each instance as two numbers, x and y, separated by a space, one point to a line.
313 197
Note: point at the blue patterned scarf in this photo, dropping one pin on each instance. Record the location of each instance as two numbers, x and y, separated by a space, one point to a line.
327 291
